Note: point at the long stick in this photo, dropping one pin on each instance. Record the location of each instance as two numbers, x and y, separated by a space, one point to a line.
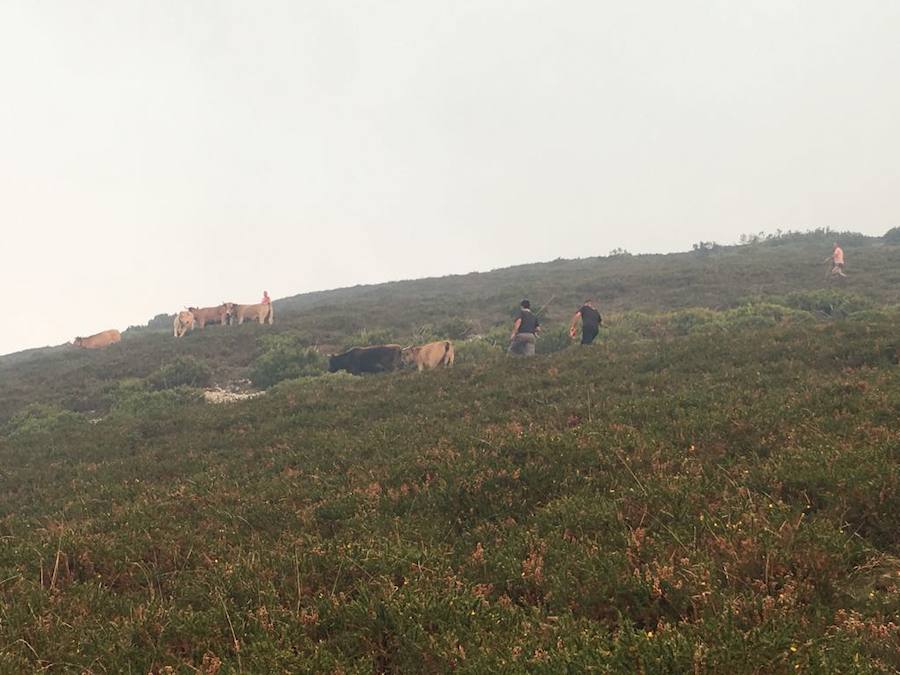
546 305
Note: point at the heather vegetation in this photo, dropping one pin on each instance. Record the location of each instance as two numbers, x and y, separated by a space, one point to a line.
713 487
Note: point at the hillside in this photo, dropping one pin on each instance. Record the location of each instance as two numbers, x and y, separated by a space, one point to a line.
473 304
714 487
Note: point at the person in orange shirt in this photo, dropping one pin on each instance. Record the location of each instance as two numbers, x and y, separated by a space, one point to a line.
837 261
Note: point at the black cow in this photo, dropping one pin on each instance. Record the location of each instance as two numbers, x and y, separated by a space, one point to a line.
358 360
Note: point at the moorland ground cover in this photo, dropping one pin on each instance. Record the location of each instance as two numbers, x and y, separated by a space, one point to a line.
714 487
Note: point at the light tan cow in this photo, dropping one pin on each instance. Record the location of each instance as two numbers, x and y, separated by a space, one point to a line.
432 355
99 340
261 312
205 315
184 322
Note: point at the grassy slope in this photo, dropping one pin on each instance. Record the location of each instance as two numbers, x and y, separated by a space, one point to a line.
714 499
80 379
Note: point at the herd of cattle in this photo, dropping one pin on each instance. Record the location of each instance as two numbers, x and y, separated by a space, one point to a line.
375 359
227 313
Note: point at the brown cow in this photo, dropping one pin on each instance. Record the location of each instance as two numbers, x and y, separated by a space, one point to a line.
262 312
205 315
184 321
430 356
99 340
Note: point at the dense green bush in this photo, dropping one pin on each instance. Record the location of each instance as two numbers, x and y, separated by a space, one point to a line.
38 419
632 324
747 316
756 315
454 328
285 357
687 320
183 371
136 399
498 337
878 315
832 303
451 328
476 350
553 339
892 236
367 337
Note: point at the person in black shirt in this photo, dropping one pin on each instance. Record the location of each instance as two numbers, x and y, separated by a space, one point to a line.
590 322
524 331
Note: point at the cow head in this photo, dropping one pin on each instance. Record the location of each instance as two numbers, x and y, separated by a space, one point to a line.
408 355
228 311
338 362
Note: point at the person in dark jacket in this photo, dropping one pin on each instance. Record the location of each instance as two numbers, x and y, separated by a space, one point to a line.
524 331
590 322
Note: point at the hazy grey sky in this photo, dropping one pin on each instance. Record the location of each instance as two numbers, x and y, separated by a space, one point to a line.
161 153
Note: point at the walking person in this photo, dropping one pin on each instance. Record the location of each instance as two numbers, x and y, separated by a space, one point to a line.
837 262
524 331
590 322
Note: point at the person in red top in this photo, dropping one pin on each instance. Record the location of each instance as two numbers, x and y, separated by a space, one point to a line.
837 261
266 299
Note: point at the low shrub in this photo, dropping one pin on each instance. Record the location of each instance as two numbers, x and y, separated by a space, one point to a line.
876 315
477 350
760 315
832 303
285 357
619 252
686 321
136 399
454 328
553 339
184 371
366 338
892 236
632 325
498 337
40 419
